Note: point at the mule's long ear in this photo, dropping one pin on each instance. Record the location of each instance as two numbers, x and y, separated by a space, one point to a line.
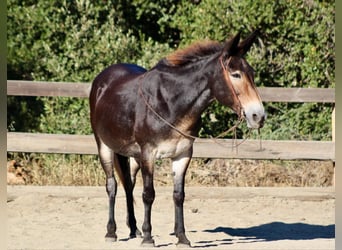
231 46
246 44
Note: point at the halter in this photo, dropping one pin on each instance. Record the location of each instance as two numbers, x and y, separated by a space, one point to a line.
230 85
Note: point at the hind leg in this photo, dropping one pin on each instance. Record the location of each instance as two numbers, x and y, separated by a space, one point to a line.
129 186
107 161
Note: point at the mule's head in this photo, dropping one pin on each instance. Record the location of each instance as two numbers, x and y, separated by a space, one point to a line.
239 76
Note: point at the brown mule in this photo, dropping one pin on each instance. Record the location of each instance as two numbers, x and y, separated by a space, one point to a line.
148 115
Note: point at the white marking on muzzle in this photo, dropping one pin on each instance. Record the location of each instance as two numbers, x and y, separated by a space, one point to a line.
255 115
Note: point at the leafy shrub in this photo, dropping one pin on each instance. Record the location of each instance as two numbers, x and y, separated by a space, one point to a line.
74 40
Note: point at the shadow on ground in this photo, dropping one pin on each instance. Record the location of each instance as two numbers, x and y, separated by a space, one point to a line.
279 231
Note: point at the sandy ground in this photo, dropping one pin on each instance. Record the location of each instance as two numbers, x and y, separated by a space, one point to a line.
215 218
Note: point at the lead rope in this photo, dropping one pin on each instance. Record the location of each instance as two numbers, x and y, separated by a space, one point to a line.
234 141
161 118
260 140
178 130
239 121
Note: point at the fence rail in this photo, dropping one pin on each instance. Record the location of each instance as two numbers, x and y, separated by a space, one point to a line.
64 89
204 148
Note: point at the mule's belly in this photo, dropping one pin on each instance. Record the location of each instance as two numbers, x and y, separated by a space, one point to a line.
169 148
123 147
173 147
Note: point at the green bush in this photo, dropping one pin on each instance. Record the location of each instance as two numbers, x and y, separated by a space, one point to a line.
74 40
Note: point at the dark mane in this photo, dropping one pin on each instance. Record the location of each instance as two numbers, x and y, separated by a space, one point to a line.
193 53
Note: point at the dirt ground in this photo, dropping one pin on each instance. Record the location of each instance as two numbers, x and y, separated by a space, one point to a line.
56 217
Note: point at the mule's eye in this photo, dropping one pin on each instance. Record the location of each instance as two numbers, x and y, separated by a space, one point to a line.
236 75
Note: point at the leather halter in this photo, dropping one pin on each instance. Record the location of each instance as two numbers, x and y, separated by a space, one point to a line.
240 111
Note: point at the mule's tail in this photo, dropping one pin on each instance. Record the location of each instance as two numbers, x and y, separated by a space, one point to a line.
123 170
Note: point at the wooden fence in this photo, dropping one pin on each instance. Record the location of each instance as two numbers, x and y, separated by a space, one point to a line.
205 148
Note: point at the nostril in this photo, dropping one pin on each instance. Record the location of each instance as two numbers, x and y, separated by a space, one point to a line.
255 117
258 118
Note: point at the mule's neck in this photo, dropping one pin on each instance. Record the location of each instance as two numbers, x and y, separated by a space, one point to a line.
183 93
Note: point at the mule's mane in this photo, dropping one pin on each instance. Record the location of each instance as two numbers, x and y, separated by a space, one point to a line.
193 53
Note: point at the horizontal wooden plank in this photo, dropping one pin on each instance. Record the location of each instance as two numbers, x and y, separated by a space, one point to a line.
268 94
325 95
51 143
250 149
62 89
203 148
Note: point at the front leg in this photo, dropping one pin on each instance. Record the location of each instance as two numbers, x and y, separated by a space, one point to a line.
179 167
147 167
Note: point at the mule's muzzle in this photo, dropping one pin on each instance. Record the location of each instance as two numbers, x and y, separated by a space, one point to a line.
255 118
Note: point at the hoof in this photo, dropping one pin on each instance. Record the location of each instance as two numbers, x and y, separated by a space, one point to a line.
183 241
111 237
148 243
137 234
183 245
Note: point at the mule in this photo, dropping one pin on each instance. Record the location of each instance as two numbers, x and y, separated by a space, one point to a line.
152 114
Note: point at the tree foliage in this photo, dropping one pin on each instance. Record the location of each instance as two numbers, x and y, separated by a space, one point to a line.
74 40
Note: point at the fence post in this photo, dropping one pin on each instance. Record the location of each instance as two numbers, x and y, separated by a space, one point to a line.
333 139
333 124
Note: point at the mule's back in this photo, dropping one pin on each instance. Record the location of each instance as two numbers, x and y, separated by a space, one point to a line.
113 75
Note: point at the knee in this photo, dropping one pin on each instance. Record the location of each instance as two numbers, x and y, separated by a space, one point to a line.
148 195
111 187
178 197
